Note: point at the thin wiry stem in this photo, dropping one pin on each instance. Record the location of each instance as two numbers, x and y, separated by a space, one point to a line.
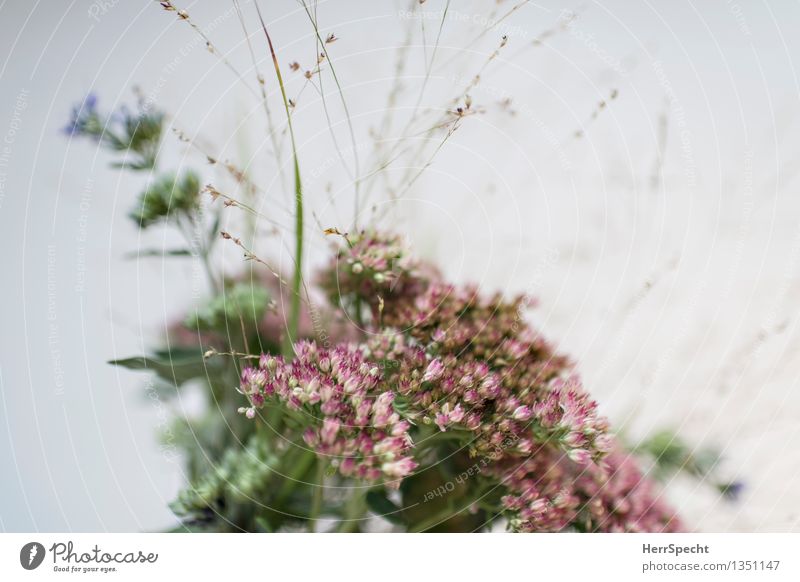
445 120
276 146
561 25
429 65
297 279
385 126
184 15
201 249
239 175
429 162
485 31
601 106
356 163
231 201
250 255
424 42
321 92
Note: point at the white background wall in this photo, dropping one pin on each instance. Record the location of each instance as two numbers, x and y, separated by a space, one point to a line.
663 243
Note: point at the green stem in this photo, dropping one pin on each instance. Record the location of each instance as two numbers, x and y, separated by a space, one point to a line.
294 313
446 513
427 442
212 281
300 466
202 249
358 313
355 510
316 502
435 519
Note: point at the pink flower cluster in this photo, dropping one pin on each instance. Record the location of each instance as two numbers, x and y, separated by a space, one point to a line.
457 362
370 266
353 423
474 364
547 492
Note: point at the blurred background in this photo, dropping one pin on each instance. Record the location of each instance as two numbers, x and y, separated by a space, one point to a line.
630 164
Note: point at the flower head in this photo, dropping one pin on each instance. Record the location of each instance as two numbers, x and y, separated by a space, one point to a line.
354 423
85 119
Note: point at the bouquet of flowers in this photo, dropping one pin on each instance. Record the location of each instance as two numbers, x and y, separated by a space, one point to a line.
372 394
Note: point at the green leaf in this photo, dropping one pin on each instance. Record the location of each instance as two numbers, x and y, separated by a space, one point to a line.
213 232
381 505
176 366
148 253
240 303
168 196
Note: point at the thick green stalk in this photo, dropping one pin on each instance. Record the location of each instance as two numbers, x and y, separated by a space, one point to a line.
294 313
355 510
319 491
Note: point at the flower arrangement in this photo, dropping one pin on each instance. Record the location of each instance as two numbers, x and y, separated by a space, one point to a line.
402 401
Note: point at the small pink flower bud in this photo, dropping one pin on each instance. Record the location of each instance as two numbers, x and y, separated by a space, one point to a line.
490 387
523 413
347 466
525 446
325 365
400 428
310 437
574 439
399 468
434 371
471 396
580 456
329 430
